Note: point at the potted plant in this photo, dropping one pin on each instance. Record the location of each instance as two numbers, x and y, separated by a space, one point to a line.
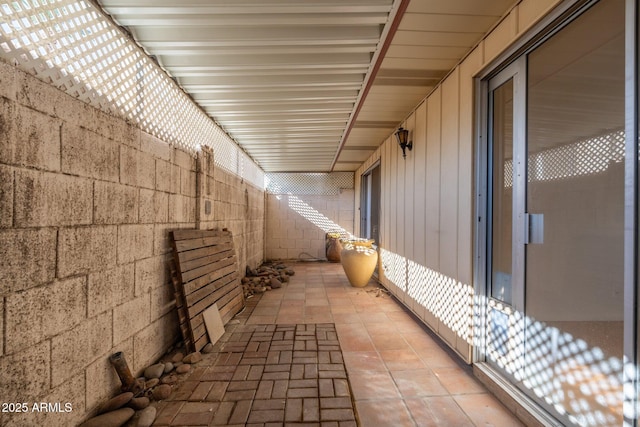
359 259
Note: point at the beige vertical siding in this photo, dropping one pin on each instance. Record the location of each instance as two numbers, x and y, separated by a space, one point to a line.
428 198
432 185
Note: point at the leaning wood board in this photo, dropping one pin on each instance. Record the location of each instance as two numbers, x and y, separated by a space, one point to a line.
206 273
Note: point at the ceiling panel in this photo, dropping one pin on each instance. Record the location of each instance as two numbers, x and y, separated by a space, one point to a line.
287 79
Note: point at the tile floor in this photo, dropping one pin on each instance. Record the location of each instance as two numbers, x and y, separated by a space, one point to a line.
398 373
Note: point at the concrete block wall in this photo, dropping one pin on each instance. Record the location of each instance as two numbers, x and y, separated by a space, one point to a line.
234 204
86 204
297 224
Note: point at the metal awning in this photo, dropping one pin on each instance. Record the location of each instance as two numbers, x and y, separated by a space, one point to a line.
304 85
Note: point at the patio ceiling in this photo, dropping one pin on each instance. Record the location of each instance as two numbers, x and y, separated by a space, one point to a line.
304 85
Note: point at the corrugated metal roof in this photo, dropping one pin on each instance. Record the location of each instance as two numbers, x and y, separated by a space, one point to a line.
285 78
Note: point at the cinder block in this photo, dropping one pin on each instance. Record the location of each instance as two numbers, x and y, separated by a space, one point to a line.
174 180
102 381
345 215
295 233
88 154
113 127
46 311
26 374
134 242
115 203
37 94
86 249
131 317
181 208
71 391
8 80
293 253
162 301
75 112
110 288
33 138
151 273
347 197
303 244
184 160
188 183
161 242
163 176
137 168
151 343
287 224
77 348
154 206
51 199
286 244
29 259
6 196
156 147
313 233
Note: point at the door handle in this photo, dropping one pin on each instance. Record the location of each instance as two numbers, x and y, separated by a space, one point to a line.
534 229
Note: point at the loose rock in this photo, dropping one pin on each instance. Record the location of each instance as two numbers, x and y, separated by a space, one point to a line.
183 369
177 357
207 348
194 357
170 379
152 383
110 419
168 367
275 283
154 371
162 392
117 402
147 417
138 403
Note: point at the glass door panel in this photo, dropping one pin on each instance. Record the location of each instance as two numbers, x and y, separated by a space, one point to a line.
502 200
504 316
575 205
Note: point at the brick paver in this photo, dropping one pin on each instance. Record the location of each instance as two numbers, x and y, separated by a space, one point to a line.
291 375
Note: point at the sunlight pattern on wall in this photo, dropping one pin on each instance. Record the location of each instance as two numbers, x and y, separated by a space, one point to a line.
450 301
588 157
317 218
72 46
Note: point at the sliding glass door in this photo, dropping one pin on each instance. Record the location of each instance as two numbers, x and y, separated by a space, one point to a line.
556 230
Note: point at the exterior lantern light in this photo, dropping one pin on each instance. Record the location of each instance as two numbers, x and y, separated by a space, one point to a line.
402 135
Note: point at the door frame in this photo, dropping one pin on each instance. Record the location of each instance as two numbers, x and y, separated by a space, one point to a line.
366 199
559 17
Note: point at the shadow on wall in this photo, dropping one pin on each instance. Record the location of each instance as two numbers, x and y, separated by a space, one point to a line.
297 224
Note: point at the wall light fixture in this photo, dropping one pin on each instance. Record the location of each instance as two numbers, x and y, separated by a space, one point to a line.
402 135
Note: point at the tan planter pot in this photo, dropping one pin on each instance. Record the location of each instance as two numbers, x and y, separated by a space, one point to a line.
359 262
333 249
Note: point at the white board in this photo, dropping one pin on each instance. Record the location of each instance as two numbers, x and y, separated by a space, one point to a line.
213 323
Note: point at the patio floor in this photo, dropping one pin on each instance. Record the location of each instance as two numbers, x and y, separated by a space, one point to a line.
279 364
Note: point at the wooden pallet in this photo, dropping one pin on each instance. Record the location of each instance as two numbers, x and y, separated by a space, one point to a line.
205 273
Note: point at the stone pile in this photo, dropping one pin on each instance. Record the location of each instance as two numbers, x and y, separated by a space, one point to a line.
265 278
129 410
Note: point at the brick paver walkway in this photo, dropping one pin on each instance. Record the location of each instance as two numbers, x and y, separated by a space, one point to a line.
265 374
